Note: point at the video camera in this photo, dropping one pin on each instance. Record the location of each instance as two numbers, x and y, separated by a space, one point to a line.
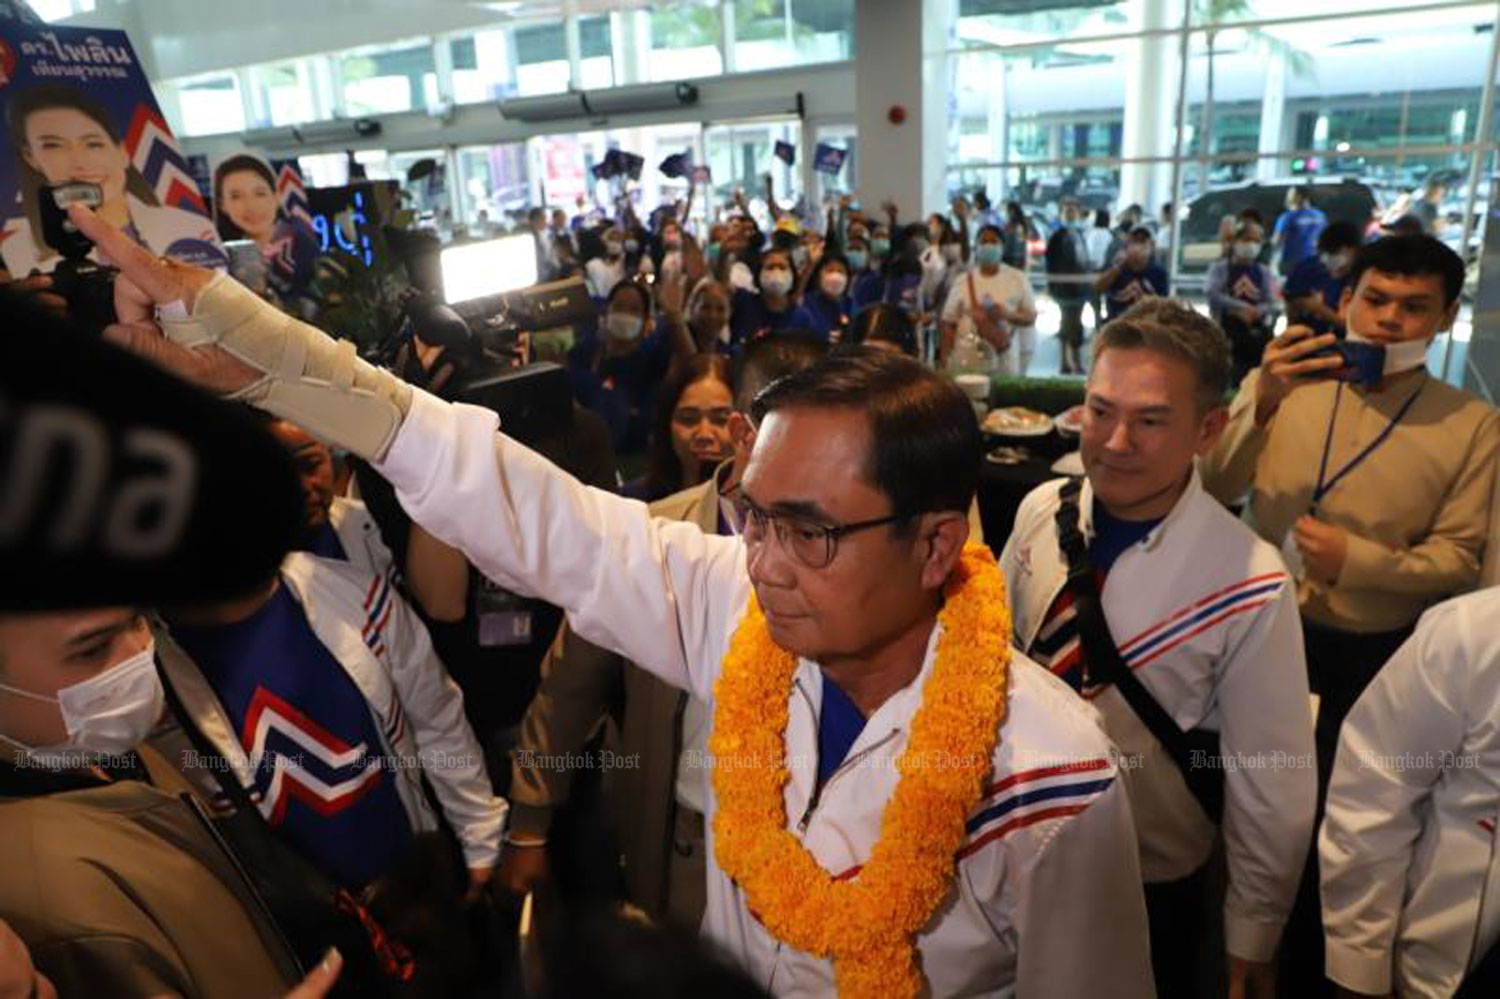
87 286
482 341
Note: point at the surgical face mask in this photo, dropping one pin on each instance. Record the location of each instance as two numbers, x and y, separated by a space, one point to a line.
833 283
622 326
712 252
988 254
1403 355
776 282
613 247
108 715
952 253
858 259
1338 262
880 246
632 245
1246 251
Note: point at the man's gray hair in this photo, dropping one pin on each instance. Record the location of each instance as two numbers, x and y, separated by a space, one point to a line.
1174 328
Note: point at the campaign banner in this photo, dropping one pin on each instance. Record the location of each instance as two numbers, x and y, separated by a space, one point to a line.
81 110
829 159
266 203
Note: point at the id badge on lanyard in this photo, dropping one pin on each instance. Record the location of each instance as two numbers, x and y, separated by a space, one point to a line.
1289 550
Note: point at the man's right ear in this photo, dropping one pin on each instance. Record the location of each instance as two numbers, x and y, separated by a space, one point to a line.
741 432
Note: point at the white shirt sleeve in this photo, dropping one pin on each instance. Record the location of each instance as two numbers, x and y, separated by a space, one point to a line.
1266 728
451 756
1390 757
662 593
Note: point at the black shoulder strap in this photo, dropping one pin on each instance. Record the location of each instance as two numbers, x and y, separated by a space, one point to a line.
1105 664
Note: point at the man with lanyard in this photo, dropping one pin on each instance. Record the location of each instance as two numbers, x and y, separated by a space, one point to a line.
1201 614
1375 481
956 828
662 794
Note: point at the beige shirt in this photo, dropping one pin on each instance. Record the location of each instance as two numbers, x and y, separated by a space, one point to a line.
1415 509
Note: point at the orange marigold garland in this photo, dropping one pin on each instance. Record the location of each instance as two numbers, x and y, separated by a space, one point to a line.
867 925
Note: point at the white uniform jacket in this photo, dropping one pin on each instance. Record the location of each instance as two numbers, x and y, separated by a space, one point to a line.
360 536
417 708
1046 900
1206 615
1411 883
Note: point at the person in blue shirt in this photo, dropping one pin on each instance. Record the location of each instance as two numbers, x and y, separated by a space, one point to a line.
825 307
1134 275
772 307
1297 229
865 279
1242 297
1314 288
616 368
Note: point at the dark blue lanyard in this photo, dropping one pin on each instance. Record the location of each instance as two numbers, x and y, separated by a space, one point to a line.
1324 483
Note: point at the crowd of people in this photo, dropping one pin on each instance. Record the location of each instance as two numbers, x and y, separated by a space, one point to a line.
1215 718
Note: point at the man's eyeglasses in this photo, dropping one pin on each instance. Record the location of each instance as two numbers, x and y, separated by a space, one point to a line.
813 544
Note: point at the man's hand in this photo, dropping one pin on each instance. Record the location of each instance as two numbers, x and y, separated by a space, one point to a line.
478 878
1287 364
1324 548
1251 979
146 281
523 867
889 207
670 295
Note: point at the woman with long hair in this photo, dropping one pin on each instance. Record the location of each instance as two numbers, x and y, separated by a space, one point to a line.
61 134
691 432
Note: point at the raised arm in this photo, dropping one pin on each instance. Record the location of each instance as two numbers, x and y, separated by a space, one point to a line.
662 593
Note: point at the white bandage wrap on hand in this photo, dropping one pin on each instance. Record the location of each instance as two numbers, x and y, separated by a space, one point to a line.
315 381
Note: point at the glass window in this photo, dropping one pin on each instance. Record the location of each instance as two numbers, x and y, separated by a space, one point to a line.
282 94
740 157
773 33
684 42
484 66
208 105
1013 22
388 79
596 53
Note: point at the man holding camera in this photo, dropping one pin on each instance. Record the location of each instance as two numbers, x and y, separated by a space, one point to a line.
1373 476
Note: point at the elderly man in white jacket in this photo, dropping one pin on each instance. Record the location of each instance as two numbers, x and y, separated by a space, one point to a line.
1410 871
1039 893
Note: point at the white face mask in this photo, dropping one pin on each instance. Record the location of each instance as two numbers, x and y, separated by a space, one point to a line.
623 327
833 284
1246 252
107 715
1404 355
776 282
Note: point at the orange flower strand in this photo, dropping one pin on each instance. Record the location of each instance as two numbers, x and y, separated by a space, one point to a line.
867 926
